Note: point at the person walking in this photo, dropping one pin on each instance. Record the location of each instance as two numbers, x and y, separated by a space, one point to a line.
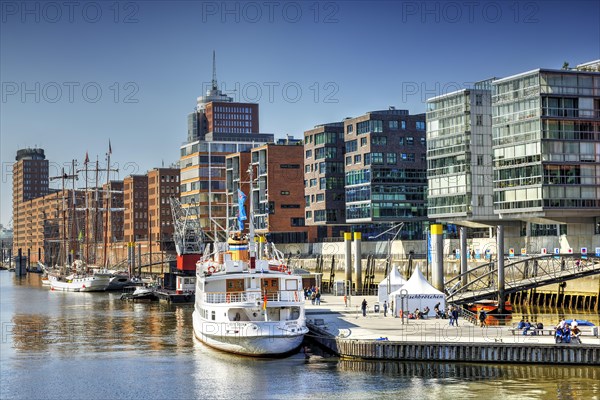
318 297
482 317
364 307
385 307
451 315
455 315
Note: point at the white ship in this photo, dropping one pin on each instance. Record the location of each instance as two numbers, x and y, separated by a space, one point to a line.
248 306
80 282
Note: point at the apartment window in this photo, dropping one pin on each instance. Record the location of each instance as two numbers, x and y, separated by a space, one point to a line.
313 182
320 197
297 221
478 100
391 158
378 140
410 141
393 125
351 146
479 120
290 206
285 193
420 125
423 141
363 142
357 159
348 160
309 215
308 153
401 141
290 166
350 129
481 200
480 159
377 158
403 124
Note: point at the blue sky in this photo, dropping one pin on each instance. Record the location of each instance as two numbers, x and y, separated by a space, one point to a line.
75 76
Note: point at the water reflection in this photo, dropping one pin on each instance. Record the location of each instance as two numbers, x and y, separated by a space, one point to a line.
112 349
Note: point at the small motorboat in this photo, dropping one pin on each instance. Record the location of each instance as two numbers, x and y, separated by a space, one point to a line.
136 293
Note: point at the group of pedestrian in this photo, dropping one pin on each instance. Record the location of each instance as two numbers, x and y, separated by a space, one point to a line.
453 315
314 294
566 333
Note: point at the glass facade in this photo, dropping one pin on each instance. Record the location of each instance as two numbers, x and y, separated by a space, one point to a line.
546 139
459 155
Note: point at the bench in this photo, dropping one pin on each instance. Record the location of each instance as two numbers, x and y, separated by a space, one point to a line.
585 331
534 331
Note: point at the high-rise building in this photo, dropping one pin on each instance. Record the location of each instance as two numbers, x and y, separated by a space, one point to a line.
163 183
459 156
276 195
324 179
546 144
30 181
135 202
385 171
217 128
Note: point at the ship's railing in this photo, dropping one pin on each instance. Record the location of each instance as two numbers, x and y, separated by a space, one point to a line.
294 296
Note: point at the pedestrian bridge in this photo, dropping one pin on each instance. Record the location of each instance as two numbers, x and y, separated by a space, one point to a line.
519 274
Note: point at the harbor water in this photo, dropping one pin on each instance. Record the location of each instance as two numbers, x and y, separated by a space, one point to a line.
59 345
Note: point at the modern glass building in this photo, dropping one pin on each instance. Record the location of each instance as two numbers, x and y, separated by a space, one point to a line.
385 171
546 144
459 156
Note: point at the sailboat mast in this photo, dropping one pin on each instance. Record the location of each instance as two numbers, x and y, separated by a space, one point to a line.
73 237
64 215
95 227
107 205
87 211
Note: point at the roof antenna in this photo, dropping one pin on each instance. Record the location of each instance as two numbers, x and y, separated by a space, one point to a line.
214 79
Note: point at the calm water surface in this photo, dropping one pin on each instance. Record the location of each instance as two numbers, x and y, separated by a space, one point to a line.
59 345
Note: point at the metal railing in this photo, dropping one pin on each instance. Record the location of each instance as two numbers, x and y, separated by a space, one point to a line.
293 296
522 274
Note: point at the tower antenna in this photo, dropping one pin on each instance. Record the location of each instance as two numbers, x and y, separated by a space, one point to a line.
214 78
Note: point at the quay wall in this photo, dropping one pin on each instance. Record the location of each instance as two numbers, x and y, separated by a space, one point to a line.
458 352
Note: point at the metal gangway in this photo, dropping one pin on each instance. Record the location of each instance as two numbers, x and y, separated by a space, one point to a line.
519 274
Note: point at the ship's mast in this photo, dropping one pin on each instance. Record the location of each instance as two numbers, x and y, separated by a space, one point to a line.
107 208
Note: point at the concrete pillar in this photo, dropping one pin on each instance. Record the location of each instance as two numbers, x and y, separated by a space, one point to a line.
348 256
463 255
437 256
358 260
500 247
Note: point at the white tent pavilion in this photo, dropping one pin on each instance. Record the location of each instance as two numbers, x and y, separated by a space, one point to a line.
395 282
420 294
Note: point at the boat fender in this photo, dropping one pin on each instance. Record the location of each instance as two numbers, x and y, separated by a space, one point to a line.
211 269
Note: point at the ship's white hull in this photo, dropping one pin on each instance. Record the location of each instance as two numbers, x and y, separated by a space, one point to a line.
249 338
94 283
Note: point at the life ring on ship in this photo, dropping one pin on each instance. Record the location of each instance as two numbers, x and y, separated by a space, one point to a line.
401 314
211 269
228 298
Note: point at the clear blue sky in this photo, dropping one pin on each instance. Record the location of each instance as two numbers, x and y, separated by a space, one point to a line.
151 59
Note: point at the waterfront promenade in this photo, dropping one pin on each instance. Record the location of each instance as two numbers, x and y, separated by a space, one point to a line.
346 332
